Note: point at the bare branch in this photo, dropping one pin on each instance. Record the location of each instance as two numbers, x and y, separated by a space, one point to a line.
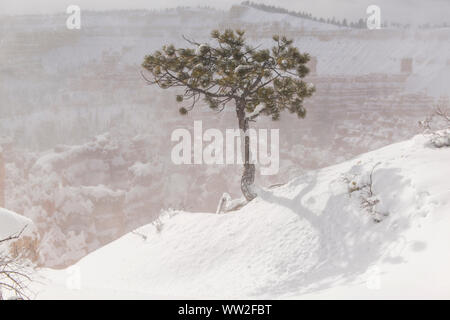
443 114
13 237
14 274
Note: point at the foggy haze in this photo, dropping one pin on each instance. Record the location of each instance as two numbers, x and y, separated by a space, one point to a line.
403 11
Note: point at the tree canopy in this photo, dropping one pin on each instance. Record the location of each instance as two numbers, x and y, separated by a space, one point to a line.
229 69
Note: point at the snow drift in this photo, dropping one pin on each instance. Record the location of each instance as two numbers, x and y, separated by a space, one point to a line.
308 238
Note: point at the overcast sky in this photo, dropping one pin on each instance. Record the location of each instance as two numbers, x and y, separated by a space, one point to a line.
410 11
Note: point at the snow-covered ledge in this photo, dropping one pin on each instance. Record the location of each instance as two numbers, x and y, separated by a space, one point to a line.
14 225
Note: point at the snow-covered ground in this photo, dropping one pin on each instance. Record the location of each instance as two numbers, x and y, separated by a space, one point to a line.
12 224
61 89
310 238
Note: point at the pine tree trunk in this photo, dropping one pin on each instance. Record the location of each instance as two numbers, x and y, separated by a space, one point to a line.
248 176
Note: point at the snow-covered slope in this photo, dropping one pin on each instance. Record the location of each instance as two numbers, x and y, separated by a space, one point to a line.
310 238
24 233
11 224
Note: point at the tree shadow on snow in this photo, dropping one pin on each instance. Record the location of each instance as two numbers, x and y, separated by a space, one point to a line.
349 245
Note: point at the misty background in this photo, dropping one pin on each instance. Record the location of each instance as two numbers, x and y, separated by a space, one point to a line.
402 11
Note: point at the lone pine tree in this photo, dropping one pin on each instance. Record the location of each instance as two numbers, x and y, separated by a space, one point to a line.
230 72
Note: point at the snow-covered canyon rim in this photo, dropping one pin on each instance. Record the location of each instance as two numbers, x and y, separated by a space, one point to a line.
310 238
85 145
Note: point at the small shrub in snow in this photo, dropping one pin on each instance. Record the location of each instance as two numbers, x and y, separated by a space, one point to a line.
158 224
362 185
164 215
440 138
14 272
437 127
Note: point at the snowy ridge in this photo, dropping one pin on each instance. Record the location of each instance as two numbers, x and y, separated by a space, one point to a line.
308 238
252 15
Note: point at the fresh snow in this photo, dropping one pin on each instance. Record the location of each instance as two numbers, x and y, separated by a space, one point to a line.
12 223
309 238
